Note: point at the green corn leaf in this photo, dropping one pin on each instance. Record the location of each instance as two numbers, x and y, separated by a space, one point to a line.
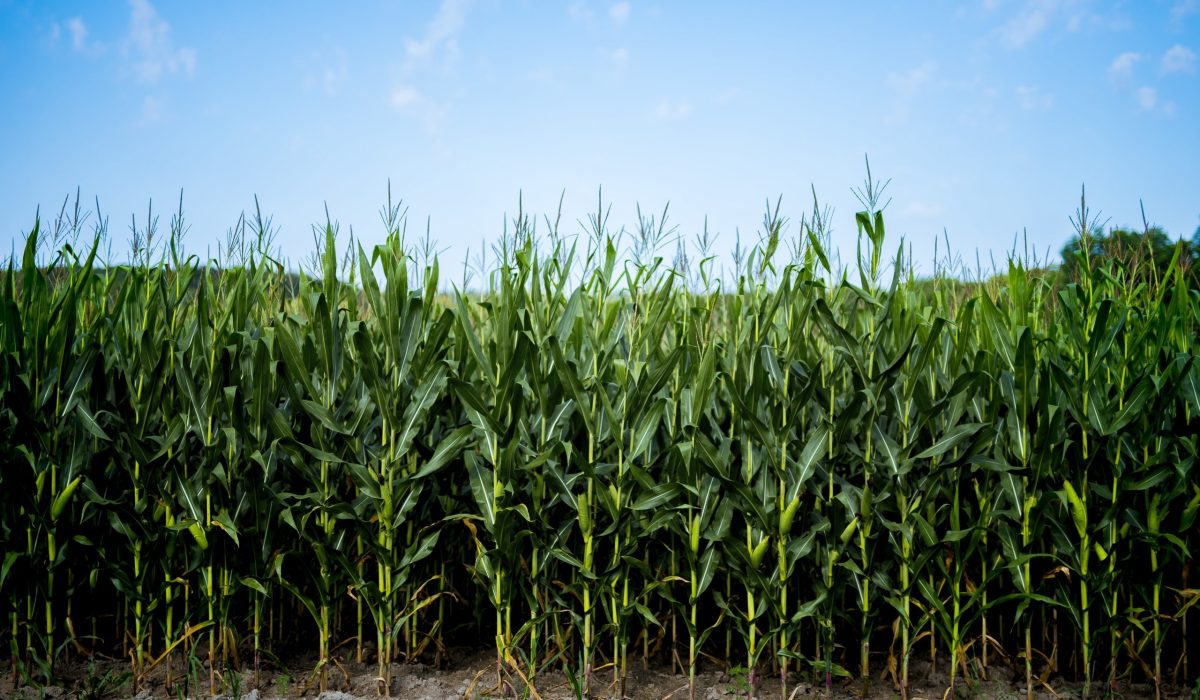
449 449
707 569
709 496
431 388
253 584
642 436
1014 490
226 524
889 451
657 497
1142 392
481 489
420 550
952 438
477 409
806 464
10 558
88 421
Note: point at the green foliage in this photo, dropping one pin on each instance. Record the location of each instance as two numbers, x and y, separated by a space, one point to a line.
96 685
791 468
1150 252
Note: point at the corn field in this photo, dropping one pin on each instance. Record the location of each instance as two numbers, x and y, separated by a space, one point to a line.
596 457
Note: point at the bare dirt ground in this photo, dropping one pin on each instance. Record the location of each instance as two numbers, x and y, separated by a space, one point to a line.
473 675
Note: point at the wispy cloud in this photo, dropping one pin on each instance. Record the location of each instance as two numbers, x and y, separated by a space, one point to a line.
1147 97
1031 21
436 49
1036 17
151 47
1149 101
914 79
1023 29
905 85
327 72
1033 99
1179 59
78 31
1122 66
79 34
407 99
580 11
152 110
618 57
545 75
672 111
332 78
619 12
726 96
1182 9
441 37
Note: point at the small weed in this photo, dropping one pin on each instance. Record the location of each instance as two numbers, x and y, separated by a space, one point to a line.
97 685
283 684
194 668
231 681
739 681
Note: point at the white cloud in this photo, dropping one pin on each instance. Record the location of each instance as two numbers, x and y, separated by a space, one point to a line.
154 52
78 31
80 37
414 104
1030 22
1179 59
441 35
332 78
619 12
407 99
1147 97
726 96
544 75
990 5
905 86
1122 66
669 111
1181 9
619 56
1033 99
921 210
437 49
152 110
1035 17
327 71
187 58
912 80
580 12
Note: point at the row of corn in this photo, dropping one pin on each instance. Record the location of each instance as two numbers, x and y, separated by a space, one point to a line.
599 458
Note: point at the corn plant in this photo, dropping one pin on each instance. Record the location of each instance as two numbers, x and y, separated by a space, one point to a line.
590 452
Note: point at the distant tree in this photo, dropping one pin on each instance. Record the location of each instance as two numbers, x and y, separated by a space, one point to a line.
1150 252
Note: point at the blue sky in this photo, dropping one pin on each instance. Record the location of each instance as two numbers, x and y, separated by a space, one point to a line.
987 116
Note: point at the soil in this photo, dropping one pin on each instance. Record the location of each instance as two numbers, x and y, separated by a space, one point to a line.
472 674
